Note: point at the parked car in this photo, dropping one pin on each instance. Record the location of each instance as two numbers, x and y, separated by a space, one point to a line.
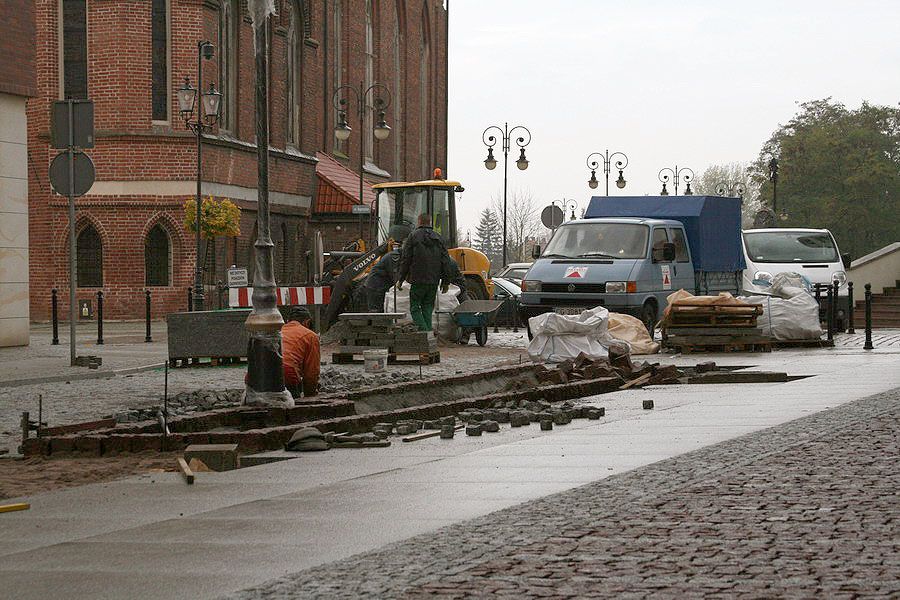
509 292
514 272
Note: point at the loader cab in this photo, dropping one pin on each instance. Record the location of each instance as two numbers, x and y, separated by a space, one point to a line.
400 204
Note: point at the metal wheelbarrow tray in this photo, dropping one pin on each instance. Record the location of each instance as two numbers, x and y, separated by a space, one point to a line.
472 317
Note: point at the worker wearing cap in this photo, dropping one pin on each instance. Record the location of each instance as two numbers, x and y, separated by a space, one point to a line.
422 264
300 347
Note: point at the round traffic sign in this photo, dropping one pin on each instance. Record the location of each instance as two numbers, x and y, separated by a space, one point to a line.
552 216
83 168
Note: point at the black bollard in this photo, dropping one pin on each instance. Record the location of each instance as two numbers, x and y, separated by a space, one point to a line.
829 315
834 312
868 345
220 288
851 307
54 303
148 337
190 299
100 318
515 315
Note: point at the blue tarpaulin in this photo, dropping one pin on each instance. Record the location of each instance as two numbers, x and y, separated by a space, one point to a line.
712 224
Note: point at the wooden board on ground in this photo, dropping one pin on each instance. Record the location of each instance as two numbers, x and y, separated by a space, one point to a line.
185 471
637 381
14 507
803 343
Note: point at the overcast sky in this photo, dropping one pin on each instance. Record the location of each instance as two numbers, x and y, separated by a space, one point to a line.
691 83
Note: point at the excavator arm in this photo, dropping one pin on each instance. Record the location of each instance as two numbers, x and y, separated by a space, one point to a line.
342 284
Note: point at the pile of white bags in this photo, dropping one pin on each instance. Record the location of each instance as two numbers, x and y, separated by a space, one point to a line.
560 337
444 327
791 312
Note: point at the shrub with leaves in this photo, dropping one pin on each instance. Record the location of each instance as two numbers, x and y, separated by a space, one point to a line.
219 218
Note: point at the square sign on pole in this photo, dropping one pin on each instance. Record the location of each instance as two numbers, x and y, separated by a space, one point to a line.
82 124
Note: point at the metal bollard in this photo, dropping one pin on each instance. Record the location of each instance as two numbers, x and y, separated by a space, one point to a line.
834 311
851 309
55 309
829 315
100 318
868 345
148 337
190 299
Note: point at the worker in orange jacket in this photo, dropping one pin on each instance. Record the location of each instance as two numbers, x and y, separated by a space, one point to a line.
300 349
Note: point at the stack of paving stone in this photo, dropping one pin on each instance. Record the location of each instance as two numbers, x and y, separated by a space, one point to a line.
370 331
619 364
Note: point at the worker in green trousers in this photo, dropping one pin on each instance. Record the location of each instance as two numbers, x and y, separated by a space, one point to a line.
422 264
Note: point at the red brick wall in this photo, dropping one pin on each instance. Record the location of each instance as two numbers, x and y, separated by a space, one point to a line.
130 147
17 48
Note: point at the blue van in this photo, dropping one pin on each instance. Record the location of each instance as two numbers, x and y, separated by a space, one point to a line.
629 253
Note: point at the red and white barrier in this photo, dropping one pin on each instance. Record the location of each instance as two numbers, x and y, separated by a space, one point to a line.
285 296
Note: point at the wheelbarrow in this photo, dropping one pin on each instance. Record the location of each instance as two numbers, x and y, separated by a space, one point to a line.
472 316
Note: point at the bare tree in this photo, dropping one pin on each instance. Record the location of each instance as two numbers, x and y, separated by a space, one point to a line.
522 222
731 179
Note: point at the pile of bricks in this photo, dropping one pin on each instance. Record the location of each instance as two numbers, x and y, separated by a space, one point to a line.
619 364
368 331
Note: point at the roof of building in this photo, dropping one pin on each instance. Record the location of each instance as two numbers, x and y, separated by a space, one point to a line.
428 182
338 187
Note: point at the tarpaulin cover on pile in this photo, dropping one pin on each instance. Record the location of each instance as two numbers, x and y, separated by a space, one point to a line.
712 224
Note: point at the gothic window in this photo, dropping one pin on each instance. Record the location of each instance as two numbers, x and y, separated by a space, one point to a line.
294 63
229 17
74 49
424 101
398 96
156 257
89 258
368 125
339 146
159 24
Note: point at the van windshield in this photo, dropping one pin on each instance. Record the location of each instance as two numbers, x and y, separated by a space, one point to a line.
601 240
790 247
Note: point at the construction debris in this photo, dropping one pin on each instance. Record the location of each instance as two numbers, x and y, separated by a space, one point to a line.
368 331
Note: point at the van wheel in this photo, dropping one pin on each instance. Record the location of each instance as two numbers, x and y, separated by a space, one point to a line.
648 317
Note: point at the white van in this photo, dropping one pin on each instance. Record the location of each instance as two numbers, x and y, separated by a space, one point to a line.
812 253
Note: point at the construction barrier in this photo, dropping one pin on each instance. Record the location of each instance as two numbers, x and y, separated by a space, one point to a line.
285 296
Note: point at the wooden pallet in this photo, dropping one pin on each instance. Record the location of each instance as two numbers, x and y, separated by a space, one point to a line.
214 361
723 339
403 358
713 315
803 343
720 348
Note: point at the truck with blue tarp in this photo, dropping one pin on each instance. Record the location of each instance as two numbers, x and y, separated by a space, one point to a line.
629 253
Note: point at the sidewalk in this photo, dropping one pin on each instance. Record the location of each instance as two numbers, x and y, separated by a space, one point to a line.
123 349
154 535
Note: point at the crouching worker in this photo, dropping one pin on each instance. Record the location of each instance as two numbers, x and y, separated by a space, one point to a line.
382 278
451 274
300 347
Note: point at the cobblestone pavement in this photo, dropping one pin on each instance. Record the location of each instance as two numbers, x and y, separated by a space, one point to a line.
810 508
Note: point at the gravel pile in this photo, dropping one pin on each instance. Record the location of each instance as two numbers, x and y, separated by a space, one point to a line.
332 380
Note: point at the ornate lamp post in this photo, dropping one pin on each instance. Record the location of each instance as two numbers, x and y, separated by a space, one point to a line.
491 163
206 117
734 189
684 174
607 159
379 106
265 371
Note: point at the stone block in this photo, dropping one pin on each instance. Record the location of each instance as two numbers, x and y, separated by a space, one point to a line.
546 424
490 426
447 432
648 404
473 429
218 457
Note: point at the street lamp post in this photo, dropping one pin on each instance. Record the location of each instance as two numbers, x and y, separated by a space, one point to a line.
207 115
734 189
684 174
606 159
491 163
379 105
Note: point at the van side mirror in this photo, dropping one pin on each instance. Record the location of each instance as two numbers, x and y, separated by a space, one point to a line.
535 252
845 258
665 253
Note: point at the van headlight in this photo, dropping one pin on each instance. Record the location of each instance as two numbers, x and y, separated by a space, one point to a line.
840 277
531 286
762 277
615 287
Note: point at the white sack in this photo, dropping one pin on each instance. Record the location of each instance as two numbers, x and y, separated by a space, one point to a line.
788 285
632 331
560 337
794 318
444 327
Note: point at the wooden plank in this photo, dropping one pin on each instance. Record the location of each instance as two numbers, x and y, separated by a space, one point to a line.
4 508
707 330
186 471
636 381
430 434
716 340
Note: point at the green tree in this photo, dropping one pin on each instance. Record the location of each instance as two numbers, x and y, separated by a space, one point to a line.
839 169
489 237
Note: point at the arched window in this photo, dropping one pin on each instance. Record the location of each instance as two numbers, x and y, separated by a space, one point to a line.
156 257
89 258
368 124
74 49
294 64
229 17
424 98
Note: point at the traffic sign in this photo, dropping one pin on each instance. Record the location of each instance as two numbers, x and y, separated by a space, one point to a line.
360 209
552 216
238 277
82 124
83 170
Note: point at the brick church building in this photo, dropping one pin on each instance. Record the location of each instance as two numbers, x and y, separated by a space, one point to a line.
131 56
